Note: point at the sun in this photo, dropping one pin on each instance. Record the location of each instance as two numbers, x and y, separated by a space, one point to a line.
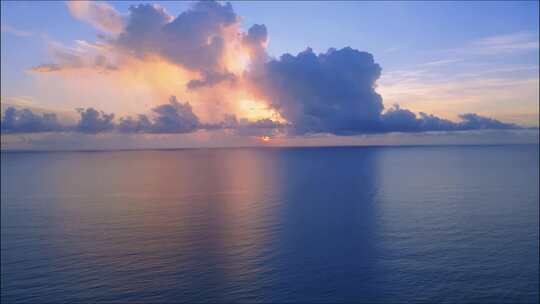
266 139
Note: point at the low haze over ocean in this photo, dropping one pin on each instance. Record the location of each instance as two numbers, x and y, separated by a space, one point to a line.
380 224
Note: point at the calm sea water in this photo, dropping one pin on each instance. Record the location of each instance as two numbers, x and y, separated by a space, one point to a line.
375 224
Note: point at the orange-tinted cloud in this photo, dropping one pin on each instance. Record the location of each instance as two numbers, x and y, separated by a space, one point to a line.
200 56
100 15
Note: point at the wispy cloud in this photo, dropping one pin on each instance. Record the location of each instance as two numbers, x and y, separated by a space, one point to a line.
391 49
441 62
100 15
467 79
515 41
13 31
503 44
504 97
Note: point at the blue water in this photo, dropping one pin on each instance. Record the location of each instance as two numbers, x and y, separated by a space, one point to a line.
373 224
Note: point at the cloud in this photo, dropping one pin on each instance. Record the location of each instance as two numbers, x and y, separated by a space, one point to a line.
173 117
143 28
396 119
83 55
256 41
521 41
246 127
257 35
178 118
195 39
330 92
261 127
441 62
210 79
100 15
199 56
505 44
334 92
473 121
26 121
93 121
5 28
482 90
231 83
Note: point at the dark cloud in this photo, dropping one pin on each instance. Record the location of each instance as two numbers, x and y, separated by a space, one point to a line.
194 39
257 35
401 120
255 41
140 124
330 92
429 122
473 121
25 121
251 128
174 117
143 30
210 79
258 128
246 127
93 121
396 119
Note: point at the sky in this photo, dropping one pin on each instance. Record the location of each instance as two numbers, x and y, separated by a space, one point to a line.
129 74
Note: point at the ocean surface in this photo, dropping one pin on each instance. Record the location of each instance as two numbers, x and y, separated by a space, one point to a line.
454 224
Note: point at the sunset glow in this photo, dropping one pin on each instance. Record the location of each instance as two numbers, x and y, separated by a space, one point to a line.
211 151
266 139
203 72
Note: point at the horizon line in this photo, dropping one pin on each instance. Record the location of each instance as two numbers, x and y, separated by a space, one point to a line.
269 147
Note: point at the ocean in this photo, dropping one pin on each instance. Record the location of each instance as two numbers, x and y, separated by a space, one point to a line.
454 224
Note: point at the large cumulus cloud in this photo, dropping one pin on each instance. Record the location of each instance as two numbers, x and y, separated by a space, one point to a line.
330 92
195 39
